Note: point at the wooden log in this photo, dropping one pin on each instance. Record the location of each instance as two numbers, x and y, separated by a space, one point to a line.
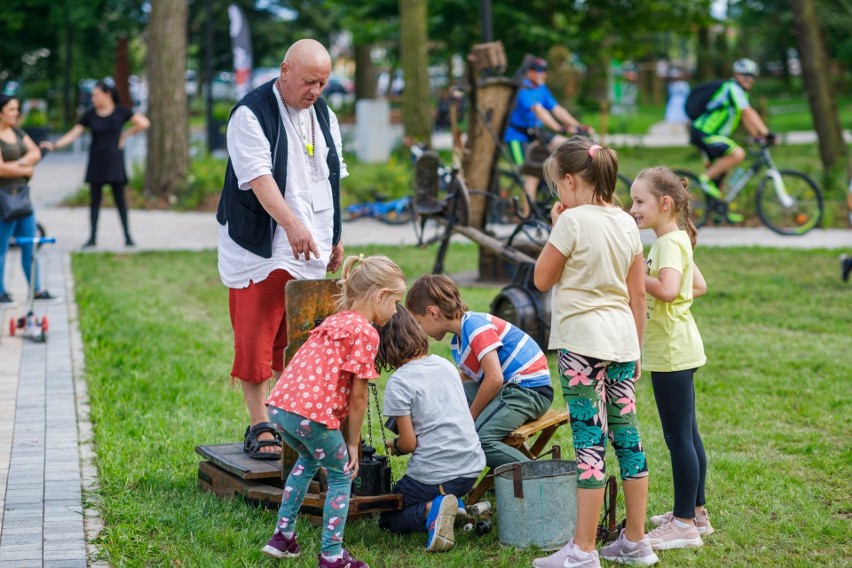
494 244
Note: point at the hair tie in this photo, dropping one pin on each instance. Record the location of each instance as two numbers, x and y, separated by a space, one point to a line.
594 148
361 256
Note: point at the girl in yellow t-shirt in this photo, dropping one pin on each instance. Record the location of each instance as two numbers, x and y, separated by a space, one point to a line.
672 349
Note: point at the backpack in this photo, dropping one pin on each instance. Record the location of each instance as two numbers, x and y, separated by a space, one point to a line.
696 102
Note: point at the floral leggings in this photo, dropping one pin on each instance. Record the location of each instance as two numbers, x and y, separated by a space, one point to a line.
601 399
317 446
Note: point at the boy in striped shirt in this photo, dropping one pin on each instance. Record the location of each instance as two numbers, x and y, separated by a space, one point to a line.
505 372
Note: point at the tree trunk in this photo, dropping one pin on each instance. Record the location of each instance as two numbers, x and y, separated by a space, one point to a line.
365 72
168 137
704 61
815 71
416 100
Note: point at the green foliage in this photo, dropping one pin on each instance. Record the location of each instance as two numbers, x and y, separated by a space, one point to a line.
772 406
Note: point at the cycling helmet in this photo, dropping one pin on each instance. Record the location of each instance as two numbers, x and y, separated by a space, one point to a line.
746 67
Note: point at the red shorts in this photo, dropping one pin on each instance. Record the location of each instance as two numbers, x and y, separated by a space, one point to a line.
259 320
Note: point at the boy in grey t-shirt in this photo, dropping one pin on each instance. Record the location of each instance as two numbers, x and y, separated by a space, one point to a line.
426 397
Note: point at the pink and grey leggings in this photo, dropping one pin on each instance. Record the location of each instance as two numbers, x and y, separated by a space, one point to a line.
601 399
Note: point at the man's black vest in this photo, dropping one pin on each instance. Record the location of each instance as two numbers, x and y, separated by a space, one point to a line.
249 225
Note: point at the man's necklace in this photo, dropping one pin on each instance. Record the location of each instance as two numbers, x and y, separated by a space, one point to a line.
309 146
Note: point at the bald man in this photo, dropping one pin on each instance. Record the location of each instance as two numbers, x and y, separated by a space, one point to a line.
279 219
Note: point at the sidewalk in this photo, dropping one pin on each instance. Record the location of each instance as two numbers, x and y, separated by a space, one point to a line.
47 475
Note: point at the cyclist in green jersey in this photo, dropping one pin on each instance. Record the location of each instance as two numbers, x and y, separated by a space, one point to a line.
711 131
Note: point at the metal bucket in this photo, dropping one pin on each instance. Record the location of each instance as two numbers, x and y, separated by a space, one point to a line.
536 503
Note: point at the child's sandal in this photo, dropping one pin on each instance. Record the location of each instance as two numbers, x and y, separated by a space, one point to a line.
254 447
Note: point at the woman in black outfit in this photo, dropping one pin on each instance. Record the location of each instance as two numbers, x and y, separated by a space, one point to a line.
106 120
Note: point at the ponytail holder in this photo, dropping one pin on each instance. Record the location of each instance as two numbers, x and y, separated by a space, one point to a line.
594 148
361 256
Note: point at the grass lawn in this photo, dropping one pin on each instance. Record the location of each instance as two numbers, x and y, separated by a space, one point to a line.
773 402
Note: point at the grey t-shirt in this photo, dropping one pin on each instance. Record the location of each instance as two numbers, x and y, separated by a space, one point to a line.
430 391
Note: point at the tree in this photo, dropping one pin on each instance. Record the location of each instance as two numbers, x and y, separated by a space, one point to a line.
416 102
817 76
168 137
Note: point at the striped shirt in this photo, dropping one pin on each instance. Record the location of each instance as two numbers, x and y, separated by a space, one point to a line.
521 359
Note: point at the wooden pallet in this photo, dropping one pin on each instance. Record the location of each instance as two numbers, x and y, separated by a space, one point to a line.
268 492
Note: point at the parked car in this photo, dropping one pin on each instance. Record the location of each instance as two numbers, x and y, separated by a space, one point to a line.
338 84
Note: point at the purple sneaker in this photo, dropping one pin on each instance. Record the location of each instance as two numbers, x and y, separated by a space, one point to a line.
279 546
345 561
569 555
637 554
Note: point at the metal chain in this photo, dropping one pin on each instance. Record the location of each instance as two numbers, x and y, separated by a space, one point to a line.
375 389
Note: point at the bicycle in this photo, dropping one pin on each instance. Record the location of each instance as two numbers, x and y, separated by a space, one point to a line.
788 201
393 212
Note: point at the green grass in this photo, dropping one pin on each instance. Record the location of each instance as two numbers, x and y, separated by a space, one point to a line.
773 404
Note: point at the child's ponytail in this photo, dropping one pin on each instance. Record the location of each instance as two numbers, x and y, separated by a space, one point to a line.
362 276
596 164
685 220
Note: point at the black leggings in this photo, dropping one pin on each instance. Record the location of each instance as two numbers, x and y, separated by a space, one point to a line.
675 396
95 207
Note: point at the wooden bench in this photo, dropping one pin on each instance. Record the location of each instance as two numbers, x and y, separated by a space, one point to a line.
539 432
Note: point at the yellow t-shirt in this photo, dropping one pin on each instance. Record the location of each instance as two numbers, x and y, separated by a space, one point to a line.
672 341
590 309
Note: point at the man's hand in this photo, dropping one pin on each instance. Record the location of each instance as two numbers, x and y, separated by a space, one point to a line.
336 258
301 241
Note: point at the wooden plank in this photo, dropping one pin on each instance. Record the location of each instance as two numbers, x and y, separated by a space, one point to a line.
550 418
307 302
233 459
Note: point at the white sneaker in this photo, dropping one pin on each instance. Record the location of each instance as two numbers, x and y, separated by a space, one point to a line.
671 535
702 521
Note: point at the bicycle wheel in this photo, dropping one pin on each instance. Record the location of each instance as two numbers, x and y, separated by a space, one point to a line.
427 228
800 214
510 199
621 197
699 208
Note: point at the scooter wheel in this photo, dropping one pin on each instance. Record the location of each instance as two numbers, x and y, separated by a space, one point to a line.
44 324
12 326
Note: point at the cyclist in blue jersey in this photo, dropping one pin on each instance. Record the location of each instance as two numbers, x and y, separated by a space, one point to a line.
536 109
711 131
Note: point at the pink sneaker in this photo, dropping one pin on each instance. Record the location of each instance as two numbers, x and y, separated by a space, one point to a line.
670 535
623 552
702 521
568 556
279 546
345 561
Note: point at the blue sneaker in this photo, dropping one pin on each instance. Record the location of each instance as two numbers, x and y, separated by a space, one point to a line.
439 523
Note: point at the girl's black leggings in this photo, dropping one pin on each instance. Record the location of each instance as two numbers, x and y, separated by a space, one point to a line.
95 206
675 395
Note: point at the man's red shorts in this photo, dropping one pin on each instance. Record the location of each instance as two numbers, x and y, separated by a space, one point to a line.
259 320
